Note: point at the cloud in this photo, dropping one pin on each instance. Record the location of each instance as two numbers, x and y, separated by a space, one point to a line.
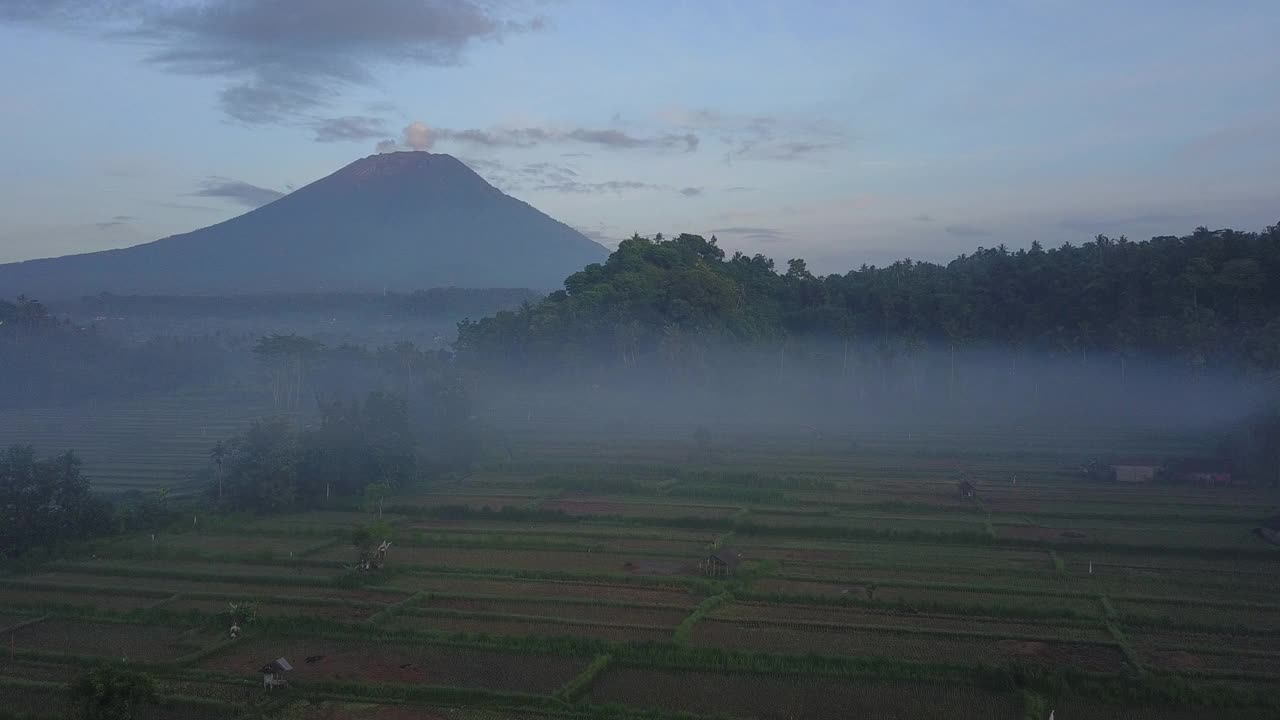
738 188
236 191
614 186
691 191
762 137
187 206
115 221
966 231
757 234
282 58
924 217
348 127
420 137
603 234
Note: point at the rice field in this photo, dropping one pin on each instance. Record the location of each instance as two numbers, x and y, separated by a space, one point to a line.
861 584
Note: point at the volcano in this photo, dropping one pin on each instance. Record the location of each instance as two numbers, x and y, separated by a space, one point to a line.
396 221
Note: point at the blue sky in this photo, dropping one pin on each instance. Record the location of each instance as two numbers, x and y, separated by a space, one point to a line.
836 131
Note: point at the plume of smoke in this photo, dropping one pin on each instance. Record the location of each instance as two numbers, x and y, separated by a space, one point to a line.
418 136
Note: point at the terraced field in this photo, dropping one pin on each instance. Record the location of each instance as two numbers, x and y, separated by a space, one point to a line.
866 587
138 445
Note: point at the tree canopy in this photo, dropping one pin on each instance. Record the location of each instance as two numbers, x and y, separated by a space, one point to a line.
1208 298
46 502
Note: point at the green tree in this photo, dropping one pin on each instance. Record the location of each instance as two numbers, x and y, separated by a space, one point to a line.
46 502
110 693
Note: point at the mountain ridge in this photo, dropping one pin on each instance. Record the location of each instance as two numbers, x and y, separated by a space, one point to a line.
395 221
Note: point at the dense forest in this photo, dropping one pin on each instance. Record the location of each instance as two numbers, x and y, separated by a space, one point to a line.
1211 298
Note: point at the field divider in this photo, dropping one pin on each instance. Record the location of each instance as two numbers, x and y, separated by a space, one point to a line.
320 546
395 609
166 601
558 601
519 617
192 658
684 631
1059 566
914 630
1123 641
580 683
24 623
1034 705
1108 610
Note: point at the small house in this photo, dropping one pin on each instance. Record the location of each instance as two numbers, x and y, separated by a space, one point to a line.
273 673
968 491
1135 470
720 562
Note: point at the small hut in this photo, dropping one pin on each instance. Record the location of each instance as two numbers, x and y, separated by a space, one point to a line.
968 491
723 561
273 673
1135 470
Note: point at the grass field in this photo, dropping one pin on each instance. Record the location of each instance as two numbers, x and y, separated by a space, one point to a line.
867 587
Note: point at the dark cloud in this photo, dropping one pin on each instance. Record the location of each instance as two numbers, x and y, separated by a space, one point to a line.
923 217
187 206
691 191
1096 225
237 191
614 186
349 127
966 231
284 57
763 137
483 164
419 136
757 234
115 221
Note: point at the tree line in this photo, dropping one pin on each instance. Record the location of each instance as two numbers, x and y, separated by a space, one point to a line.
1210 298
51 361
46 503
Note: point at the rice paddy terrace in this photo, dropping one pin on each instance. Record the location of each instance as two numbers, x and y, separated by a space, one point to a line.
141 444
606 570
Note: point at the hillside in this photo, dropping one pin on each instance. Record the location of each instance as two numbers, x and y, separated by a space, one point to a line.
397 221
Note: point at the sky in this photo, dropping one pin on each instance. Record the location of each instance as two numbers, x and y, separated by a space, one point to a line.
841 132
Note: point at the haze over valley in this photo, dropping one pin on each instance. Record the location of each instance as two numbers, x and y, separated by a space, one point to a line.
457 359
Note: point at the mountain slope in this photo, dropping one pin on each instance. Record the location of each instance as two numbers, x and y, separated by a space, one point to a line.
398 221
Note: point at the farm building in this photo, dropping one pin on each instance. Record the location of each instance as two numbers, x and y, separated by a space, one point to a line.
721 561
273 673
1200 471
968 490
1135 470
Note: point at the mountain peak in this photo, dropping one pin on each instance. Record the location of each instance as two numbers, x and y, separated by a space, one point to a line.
402 163
401 220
